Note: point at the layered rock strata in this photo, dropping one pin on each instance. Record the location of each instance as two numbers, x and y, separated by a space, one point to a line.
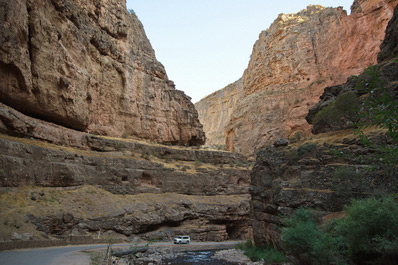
119 188
331 169
123 170
290 65
89 212
322 176
88 65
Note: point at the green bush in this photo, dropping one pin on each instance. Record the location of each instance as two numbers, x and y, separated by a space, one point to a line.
303 239
256 253
346 180
370 230
344 108
306 148
367 235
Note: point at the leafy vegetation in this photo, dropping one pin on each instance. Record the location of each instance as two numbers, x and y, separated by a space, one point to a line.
367 234
344 109
346 180
306 148
379 109
256 253
370 230
303 239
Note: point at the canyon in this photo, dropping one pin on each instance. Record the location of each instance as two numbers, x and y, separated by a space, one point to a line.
334 166
84 105
291 63
96 144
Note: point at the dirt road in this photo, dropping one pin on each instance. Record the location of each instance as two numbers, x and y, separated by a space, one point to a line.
73 255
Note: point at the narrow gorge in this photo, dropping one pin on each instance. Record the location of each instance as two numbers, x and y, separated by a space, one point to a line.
291 63
97 145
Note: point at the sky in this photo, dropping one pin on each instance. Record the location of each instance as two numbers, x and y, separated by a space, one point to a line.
205 45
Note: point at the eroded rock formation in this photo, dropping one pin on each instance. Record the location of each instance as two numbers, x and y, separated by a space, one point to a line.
74 76
92 213
88 65
216 110
382 74
323 177
329 170
92 188
290 65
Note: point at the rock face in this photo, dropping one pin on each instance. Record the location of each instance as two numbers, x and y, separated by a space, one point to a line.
121 167
216 110
322 177
94 185
389 47
386 71
91 212
328 171
88 65
74 76
290 65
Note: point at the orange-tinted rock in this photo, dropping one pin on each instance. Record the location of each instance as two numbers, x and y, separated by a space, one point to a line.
88 65
291 63
215 111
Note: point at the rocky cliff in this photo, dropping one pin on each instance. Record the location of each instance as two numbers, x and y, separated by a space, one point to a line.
323 174
381 75
332 168
80 88
215 111
290 65
88 65
70 186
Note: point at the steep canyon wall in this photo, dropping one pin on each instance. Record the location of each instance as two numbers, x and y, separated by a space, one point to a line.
88 65
80 87
291 63
67 186
326 172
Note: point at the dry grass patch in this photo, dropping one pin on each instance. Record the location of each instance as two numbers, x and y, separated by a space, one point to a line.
336 137
89 202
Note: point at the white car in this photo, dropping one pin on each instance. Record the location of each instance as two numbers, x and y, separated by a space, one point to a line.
182 240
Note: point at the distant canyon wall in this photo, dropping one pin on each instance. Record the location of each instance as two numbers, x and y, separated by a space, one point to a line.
215 111
291 63
88 65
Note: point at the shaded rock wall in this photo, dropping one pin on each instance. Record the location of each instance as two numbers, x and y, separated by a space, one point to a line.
92 213
389 47
88 65
216 110
290 65
322 177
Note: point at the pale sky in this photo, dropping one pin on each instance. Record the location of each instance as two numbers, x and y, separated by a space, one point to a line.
206 44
